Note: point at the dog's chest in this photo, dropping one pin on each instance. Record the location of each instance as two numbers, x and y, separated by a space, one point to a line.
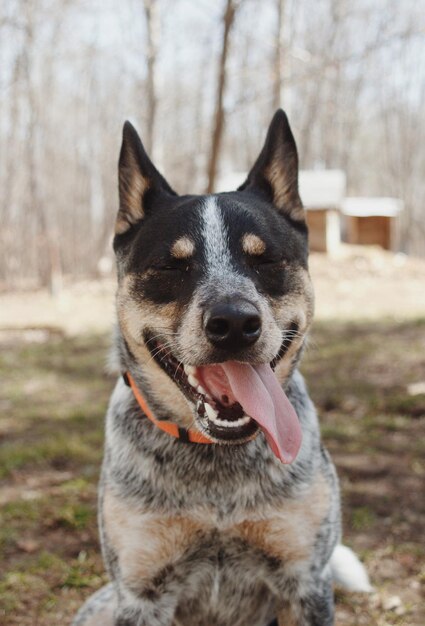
245 560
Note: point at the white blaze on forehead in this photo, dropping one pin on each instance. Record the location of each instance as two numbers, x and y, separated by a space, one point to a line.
216 239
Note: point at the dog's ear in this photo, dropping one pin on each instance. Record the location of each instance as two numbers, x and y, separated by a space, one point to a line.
138 178
275 172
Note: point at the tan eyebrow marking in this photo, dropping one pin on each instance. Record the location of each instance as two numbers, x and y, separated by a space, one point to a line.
183 248
252 244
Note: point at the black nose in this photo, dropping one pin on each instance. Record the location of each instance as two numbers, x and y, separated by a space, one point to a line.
233 325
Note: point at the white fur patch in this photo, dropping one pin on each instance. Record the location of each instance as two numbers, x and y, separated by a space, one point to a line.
216 240
347 570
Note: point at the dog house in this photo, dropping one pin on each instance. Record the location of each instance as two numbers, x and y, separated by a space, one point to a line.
322 193
372 221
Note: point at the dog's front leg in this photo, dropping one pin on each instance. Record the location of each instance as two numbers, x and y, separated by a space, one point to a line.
126 622
315 608
137 618
145 613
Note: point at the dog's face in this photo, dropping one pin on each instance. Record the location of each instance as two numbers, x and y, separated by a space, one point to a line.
207 283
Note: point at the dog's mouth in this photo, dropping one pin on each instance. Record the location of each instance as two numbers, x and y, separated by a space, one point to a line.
233 400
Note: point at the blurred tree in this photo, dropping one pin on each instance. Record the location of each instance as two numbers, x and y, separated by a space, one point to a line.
228 19
278 82
203 80
152 43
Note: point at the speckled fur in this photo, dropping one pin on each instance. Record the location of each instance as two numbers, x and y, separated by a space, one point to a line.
221 574
211 535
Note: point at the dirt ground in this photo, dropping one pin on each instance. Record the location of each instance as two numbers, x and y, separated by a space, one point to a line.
365 366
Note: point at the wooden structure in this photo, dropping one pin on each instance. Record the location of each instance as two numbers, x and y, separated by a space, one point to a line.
372 221
324 230
363 221
322 193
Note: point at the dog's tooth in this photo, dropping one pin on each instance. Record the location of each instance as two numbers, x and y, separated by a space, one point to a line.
228 424
240 422
212 413
192 381
201 389
190 370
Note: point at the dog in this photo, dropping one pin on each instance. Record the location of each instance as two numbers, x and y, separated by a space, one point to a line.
218 504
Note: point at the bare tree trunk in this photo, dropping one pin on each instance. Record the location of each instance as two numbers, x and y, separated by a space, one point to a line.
228 19
278 58
152 26
11 153
48 254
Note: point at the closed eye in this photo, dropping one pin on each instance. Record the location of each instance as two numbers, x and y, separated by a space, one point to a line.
266 260
267 266
171 267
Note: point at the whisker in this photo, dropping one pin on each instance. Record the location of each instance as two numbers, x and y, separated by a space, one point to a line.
179 364
162 348
171 334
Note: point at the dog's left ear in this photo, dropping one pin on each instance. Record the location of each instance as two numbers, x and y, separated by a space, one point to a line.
139 181
275 172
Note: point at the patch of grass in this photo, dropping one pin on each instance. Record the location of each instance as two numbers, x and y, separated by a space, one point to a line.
48 561
76 485
51 444
59 393
358 376
58 451
362 518
20 511
39 580
11 600
73 512
75 516
408 406
78 577
336 432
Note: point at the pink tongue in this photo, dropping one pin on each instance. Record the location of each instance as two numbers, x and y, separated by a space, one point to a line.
262 398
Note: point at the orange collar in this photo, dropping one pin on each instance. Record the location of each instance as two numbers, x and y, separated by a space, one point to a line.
187 435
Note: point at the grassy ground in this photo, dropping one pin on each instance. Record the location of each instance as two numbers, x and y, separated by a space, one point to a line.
52 401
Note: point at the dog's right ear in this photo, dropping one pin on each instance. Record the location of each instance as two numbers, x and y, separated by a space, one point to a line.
138 178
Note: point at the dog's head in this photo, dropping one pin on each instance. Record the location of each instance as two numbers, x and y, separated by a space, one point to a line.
213 290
